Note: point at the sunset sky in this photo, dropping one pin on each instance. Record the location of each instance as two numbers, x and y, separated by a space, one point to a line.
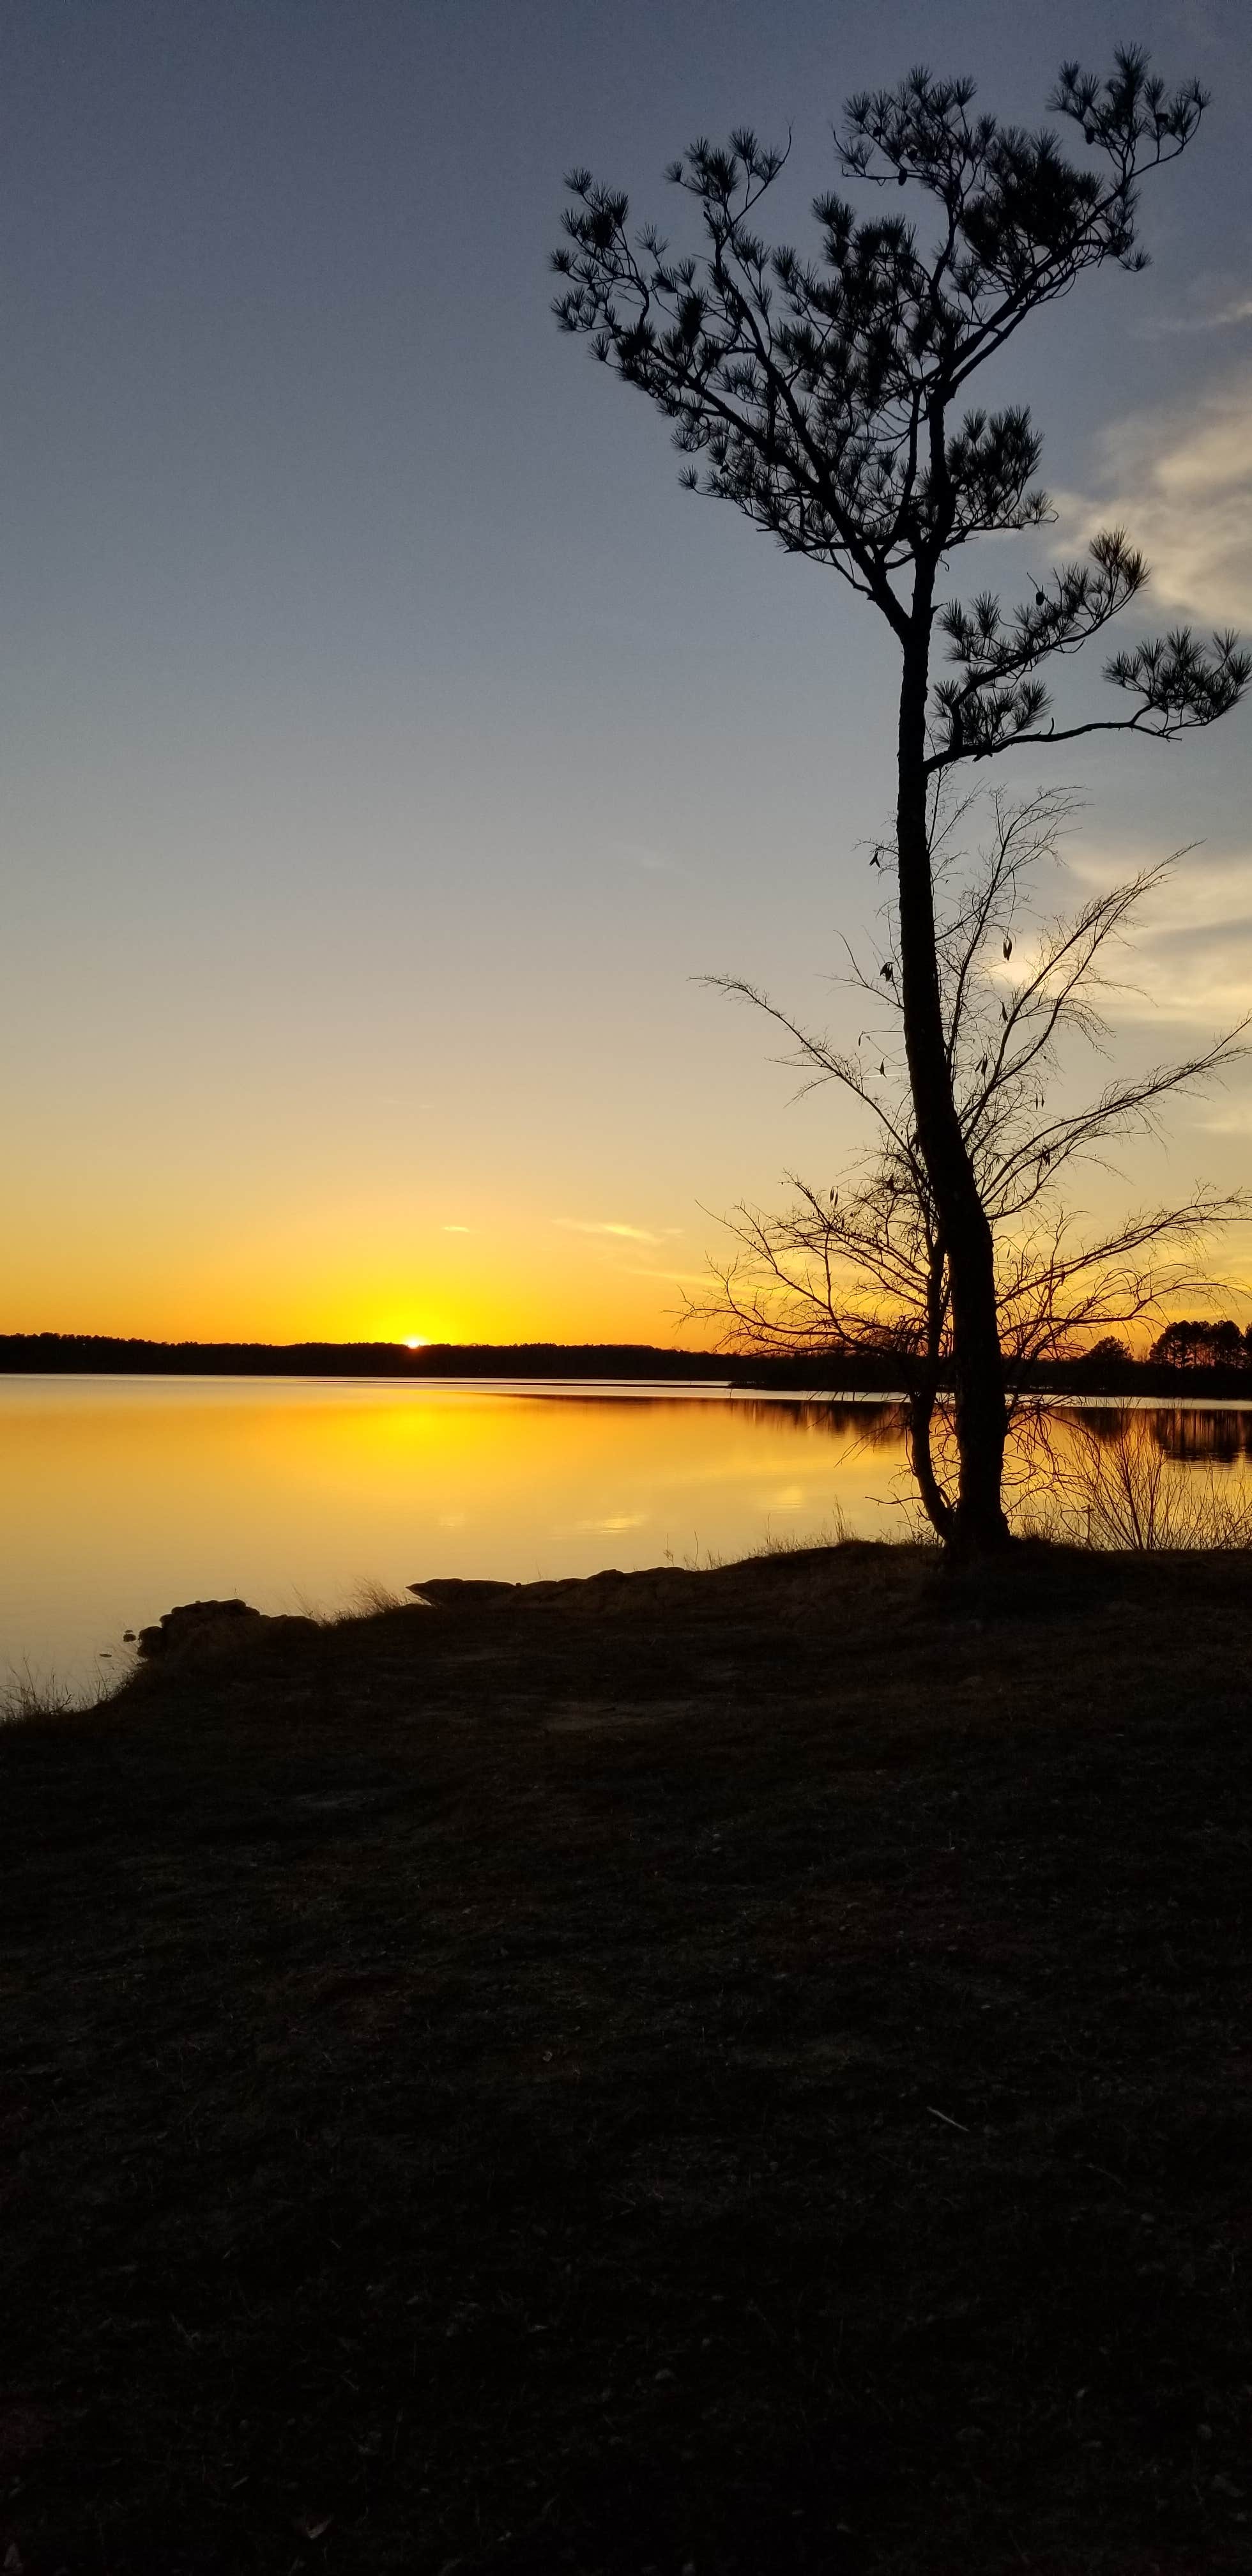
389 743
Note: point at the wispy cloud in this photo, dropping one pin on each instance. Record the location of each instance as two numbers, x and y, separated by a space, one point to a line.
1180 479
642 854
456 1229
1235 1119
1189 958
624 1233
1225 316
1201 977
676 1278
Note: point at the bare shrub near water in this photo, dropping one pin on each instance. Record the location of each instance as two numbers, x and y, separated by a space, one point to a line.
1116 1488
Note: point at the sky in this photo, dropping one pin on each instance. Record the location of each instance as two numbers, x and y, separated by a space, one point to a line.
390 746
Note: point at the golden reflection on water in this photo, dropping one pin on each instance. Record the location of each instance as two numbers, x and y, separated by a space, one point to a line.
121 1496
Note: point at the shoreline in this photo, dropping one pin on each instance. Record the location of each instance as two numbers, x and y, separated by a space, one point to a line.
71 1355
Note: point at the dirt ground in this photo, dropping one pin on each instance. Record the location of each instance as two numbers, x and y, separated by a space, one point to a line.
735 2071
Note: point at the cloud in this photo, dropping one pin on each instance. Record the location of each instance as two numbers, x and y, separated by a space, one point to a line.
676 1278
1188 959
1219 317
1180 480
1235 1120
642 854
456 1229
1200 977
625 1233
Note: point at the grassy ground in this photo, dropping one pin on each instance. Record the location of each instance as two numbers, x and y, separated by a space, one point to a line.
739 2071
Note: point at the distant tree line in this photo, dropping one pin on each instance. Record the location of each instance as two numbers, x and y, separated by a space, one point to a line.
1222 1350
1199 1343
1192 1345
105 1353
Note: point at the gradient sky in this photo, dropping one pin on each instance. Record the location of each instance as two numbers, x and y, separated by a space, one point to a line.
388 742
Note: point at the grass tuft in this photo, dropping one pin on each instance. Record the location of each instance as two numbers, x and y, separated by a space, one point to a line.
26 1695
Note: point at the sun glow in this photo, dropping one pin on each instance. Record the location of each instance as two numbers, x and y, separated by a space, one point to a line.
415 1342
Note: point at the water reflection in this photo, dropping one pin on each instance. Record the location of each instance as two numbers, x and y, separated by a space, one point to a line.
119 1497
875 1423
1222 1438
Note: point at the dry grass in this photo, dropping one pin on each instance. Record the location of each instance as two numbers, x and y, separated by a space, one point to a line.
26 1694
743 2070
834 1532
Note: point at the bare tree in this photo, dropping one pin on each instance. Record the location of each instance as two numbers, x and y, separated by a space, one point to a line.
865 1267
826 398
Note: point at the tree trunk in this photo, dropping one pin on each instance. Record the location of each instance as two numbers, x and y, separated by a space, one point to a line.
978 1525
935 1503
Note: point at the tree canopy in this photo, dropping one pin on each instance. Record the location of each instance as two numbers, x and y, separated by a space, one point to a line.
815 391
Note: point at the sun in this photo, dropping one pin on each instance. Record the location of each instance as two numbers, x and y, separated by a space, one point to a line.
416 1342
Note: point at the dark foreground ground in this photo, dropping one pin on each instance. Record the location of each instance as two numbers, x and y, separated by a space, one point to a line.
734 2071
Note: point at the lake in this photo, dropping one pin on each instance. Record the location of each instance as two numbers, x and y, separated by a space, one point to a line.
121 1496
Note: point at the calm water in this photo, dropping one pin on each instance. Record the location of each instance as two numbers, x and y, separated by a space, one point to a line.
121 1496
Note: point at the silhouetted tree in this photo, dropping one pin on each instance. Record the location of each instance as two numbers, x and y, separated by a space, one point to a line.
1107 1358
866 1267
1201 1342
826 397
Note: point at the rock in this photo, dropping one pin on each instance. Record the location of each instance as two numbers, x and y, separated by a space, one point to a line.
180 1623
610 1589
202 1622
450 1592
